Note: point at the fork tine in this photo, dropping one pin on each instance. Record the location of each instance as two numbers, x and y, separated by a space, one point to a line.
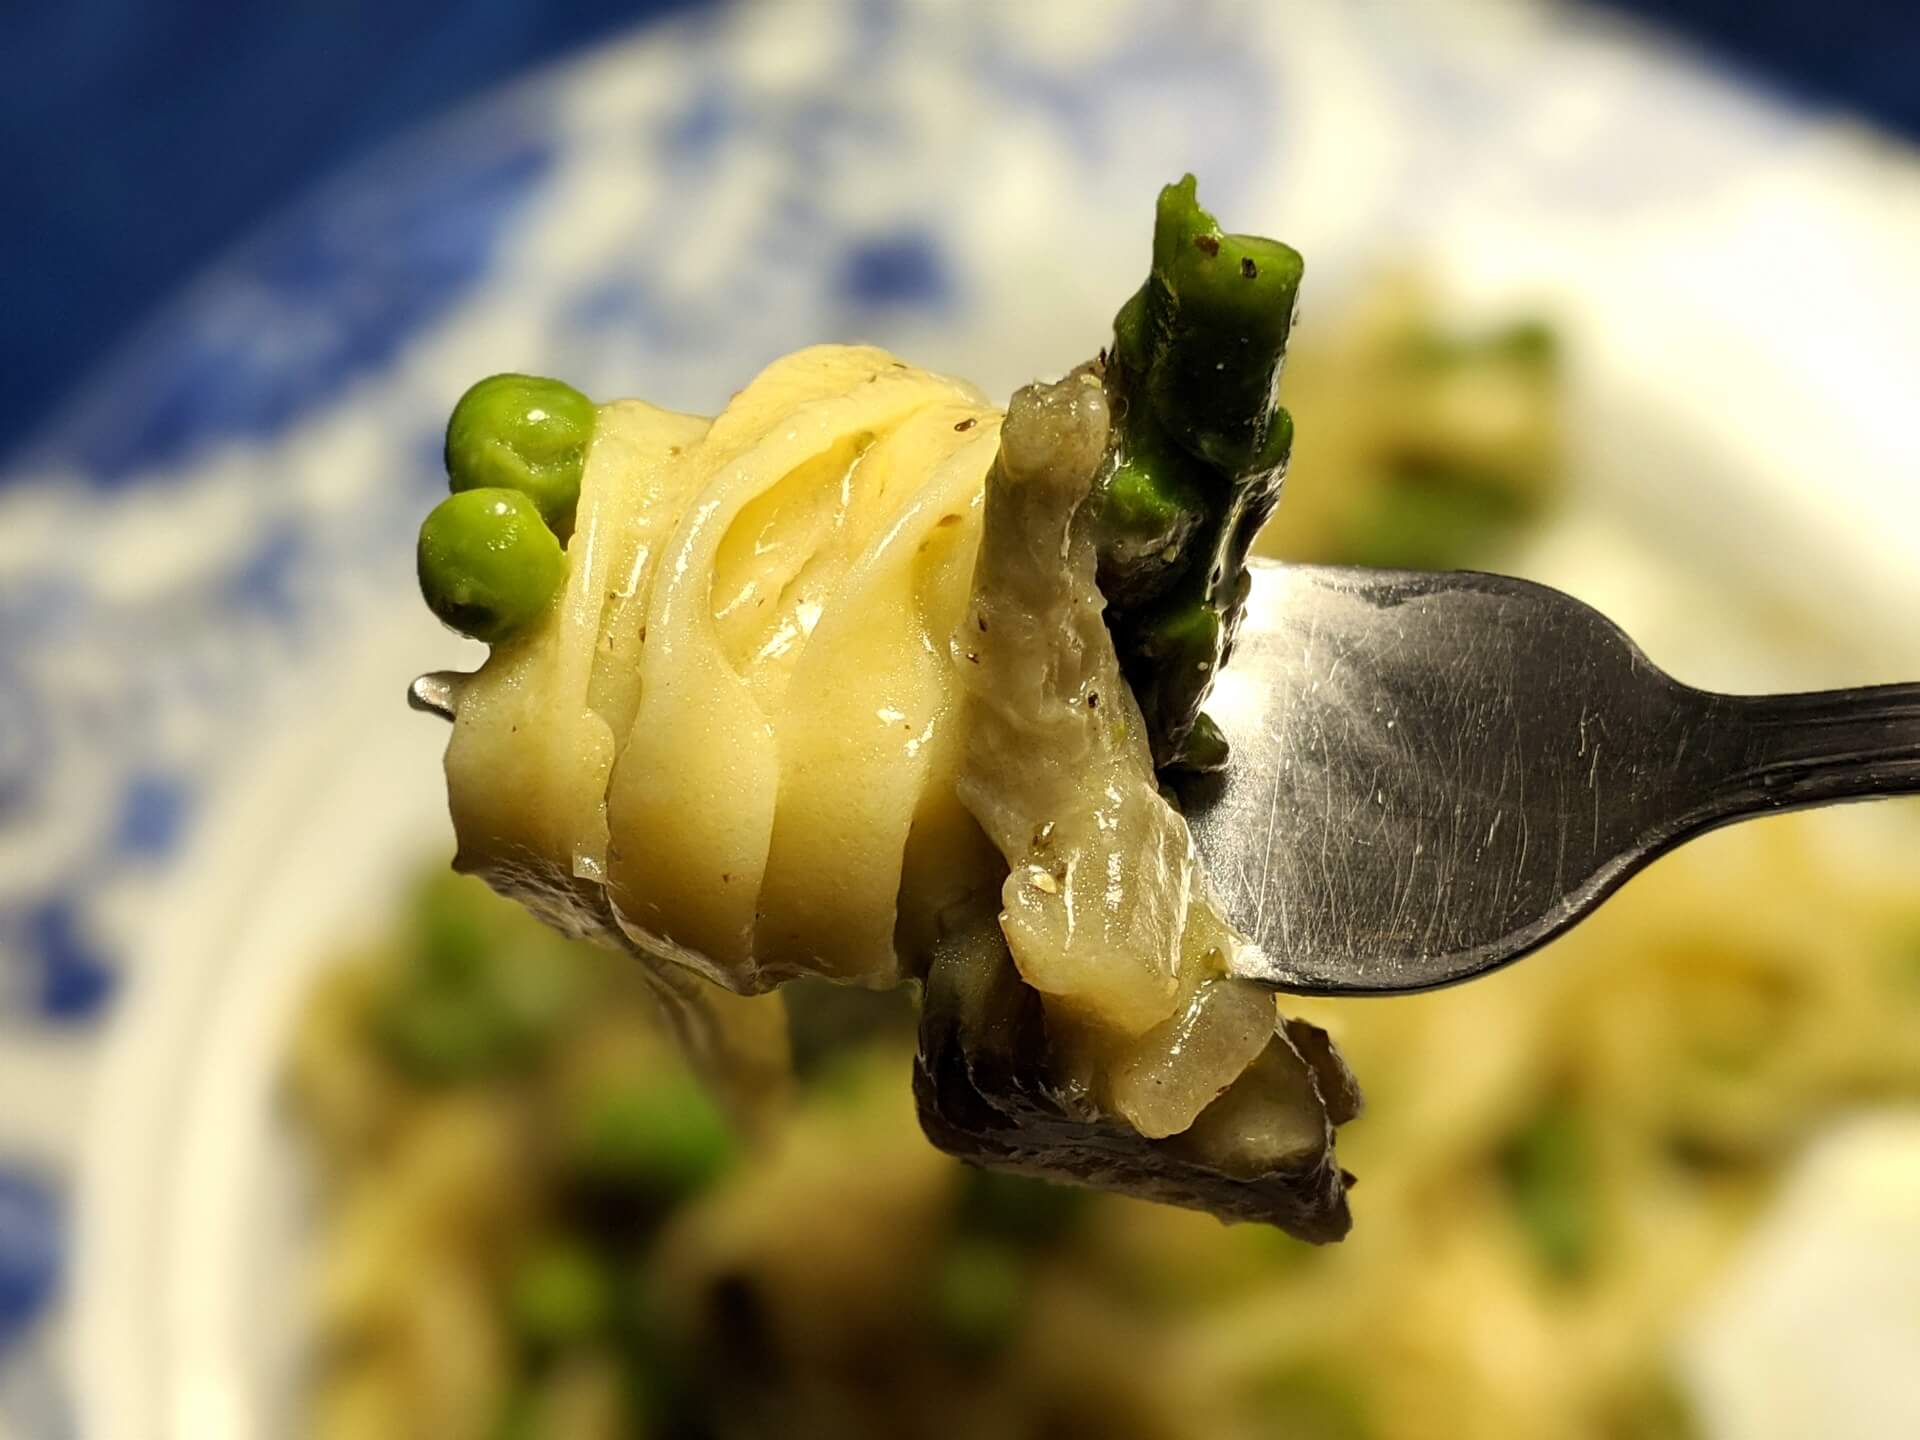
433 694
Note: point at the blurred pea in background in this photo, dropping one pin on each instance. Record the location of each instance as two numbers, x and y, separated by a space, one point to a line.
300 1135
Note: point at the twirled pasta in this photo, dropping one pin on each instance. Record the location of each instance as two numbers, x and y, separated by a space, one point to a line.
737 723
820 695
745 741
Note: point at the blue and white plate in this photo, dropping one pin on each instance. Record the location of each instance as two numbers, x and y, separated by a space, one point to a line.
207 611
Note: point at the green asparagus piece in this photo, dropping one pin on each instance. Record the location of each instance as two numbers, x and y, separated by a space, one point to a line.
1201 447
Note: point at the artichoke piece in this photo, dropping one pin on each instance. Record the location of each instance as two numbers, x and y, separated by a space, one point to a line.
1089 1026
988 1092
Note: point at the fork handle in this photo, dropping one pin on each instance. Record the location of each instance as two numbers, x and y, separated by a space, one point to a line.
1782 752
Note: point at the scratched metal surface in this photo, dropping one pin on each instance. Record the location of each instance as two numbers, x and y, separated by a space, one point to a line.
1435 774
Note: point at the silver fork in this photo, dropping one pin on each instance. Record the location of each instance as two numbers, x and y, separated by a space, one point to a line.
1434 774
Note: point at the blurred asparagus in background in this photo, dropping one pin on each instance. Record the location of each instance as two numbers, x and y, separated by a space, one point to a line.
1420 444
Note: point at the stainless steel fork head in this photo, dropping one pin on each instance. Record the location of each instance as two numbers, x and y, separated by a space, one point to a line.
1433 774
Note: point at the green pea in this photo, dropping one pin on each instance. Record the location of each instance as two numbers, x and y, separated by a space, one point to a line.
561 1294
1432 516
443 1037
979 1296
1528 344
455 930
1548 1167
1018 1209
525 433
488 563
662 1138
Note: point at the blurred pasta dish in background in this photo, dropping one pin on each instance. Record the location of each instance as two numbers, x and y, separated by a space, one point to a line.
534 1222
